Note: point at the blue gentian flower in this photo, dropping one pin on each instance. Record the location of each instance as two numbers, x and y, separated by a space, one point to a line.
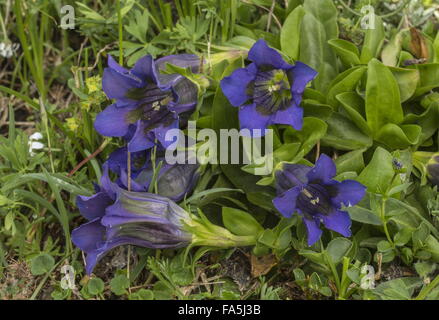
147 102
119 217
317 197
269 90
173 181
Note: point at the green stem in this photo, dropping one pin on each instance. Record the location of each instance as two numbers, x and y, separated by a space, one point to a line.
384 221
5 33
119 21
335 274
426 290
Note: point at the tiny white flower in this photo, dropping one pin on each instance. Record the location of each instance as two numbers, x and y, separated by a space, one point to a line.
36 136
34 144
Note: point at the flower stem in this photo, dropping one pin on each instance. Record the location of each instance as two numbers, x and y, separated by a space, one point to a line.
426 290
384 221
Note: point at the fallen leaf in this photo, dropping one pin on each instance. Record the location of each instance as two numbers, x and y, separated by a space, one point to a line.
262 265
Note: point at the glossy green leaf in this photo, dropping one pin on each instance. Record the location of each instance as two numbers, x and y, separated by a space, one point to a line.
312 131
373 41
344 82
391 52
351 161
343 134
353 104
347 51
364 215
290 33
429 78
407 81
383 100
399 137
240 222
338 248
42 264
320 25
378 174
428 121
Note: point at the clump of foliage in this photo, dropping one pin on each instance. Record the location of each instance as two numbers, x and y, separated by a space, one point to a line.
372 108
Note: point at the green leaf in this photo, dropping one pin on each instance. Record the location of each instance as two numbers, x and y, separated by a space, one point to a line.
436 49
351 161
344 82
316 257
353 104
142 294
378 174
373 41
407 80
432 246
391 52
399 137
316 109
383 101
428 121
402 237
312 131
338 248
364 215
347 51
240 222
424 268
119 284
429 78
95 286
320 25
290 33
42 264
343 134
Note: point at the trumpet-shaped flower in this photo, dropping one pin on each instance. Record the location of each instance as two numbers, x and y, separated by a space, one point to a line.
119 217
173 181
317 197
147 102
269 90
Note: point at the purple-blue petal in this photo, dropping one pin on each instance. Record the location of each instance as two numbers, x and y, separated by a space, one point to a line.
250 118
347 192
300 75
118 214
338 221
314 232
141 140
264 56
117 85
286 202
291 175
145 70
292 116
324 170
89 236
160 132
115 66
235 86
106 184
112 122
93 207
